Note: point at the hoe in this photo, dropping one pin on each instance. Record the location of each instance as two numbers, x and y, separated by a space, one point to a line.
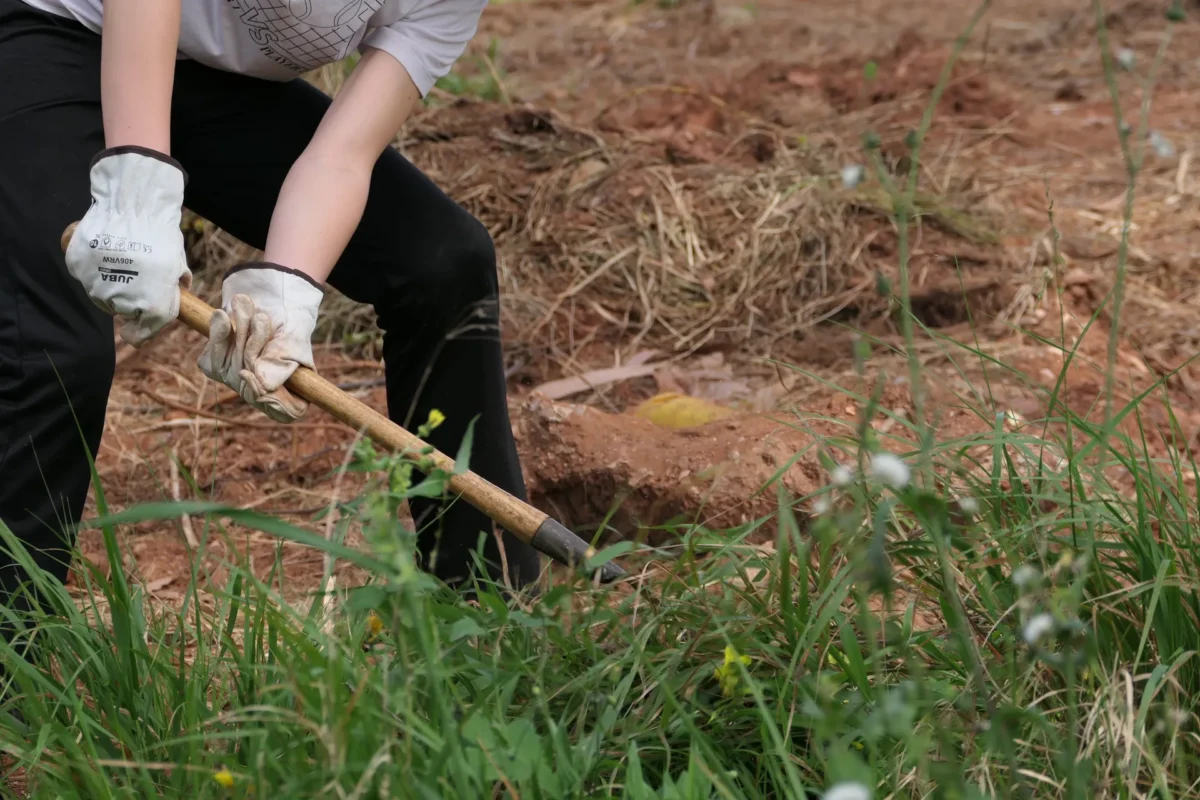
526 522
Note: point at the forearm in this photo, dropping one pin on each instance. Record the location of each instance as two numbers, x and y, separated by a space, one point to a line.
319 206
322 200
137 71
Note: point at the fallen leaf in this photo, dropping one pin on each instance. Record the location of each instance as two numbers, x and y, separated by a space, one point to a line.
585 173
642 357
159 583
676 411
805 79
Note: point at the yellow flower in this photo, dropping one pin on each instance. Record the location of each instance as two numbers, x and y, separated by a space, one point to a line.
727 673
374 624
224 777
435 418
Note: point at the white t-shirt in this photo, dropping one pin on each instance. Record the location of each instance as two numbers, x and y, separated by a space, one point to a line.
280 39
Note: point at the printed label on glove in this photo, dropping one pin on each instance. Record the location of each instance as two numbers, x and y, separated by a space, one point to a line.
118 244
111 275
114 274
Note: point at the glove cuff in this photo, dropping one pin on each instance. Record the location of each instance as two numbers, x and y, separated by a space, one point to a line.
136 182
136 149
277 268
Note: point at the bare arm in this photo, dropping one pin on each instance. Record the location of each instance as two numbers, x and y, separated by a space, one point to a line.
137 71
323 198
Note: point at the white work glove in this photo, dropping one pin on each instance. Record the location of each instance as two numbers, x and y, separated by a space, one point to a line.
127 251
261 334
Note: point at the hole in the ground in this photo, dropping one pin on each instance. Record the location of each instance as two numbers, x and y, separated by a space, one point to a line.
944 307
935 307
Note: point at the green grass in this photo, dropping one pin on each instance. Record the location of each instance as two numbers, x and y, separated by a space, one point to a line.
484 82
740 671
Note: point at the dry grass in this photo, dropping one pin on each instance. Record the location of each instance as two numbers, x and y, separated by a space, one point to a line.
603 240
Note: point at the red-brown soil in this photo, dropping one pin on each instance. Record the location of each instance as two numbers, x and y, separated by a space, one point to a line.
665 179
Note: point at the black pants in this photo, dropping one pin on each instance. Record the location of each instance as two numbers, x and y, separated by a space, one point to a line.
425 264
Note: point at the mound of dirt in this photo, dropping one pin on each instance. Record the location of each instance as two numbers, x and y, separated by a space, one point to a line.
583 465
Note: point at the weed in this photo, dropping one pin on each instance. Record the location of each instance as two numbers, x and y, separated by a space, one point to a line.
486 82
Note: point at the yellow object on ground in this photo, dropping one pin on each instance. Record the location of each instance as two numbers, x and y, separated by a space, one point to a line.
675 411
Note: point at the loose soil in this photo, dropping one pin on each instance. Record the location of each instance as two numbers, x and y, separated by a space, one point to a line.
663 185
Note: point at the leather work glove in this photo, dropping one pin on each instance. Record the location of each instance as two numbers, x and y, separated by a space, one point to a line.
261 334
127 251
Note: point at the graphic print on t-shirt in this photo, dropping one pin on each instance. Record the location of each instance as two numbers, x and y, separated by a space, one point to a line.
304 34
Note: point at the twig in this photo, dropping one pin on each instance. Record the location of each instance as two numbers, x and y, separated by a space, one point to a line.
340 366
580 286
370 383
125 352
188 534
1133 165
491 67
220 399
178 406
278 512
287 469
330 581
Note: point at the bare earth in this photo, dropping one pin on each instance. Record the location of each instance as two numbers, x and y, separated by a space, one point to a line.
663 184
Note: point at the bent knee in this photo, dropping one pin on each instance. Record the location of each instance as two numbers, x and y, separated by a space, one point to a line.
416 251
450 274
465 262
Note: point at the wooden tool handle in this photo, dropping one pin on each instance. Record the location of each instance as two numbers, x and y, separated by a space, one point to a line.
526 522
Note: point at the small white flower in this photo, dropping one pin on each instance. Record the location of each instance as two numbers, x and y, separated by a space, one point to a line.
1037 627
890 469
851 175
1025 576
848 790
1162 145
842 476
1126 58
822 506
969 505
